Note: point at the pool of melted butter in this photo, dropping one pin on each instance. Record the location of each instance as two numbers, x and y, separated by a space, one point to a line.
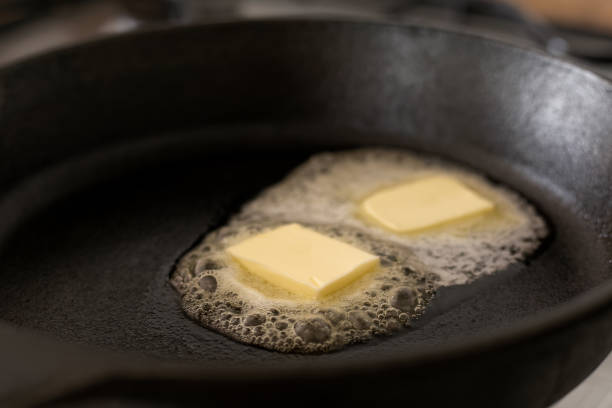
323 194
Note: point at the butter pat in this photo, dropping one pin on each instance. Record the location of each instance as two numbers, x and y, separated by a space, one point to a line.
302 261
423 203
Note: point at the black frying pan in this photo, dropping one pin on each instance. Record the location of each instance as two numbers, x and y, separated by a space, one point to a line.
115 156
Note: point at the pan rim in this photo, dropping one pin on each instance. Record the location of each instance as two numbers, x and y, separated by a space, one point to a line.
541 324
448 29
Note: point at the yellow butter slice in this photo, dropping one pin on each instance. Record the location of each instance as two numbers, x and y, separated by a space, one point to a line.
302 261
422 204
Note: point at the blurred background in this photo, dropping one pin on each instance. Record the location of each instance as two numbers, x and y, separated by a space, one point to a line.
580 30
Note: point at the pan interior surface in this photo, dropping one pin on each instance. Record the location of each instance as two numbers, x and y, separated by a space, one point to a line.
93 267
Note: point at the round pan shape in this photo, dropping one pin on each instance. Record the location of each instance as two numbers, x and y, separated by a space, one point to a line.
118 154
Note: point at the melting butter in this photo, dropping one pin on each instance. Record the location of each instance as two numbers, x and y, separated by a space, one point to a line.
302 261
422 204
324 195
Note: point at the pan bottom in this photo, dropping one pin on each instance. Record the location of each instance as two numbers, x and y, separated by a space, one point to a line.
93 267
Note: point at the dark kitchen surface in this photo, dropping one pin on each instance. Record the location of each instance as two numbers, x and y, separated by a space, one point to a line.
85 20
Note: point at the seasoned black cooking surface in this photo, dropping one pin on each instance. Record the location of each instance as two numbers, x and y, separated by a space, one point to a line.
93 268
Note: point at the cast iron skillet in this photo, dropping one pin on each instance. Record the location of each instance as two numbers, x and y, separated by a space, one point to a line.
117 155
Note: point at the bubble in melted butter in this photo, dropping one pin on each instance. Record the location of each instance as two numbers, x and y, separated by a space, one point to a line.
323 194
